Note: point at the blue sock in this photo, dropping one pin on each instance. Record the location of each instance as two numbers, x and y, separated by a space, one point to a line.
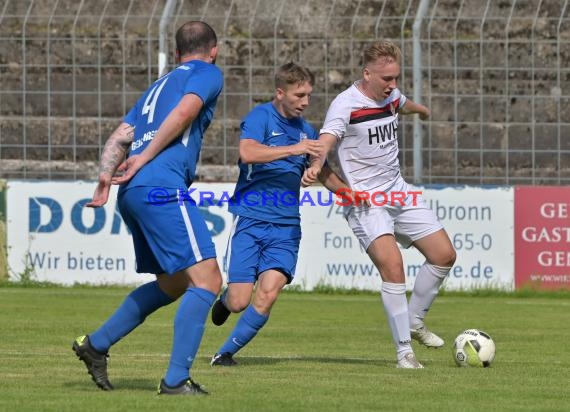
188 330
245 330
140 303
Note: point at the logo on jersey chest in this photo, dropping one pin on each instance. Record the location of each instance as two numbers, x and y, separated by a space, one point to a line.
383 133
302 135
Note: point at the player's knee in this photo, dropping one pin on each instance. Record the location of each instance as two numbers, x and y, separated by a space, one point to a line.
215 284
444 256
392 273
236 304
264 300
212 282
205 275
237 307
451 258
448 259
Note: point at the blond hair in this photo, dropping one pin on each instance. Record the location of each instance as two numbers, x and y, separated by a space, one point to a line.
383 50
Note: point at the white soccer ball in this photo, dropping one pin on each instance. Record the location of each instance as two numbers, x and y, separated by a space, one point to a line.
473 347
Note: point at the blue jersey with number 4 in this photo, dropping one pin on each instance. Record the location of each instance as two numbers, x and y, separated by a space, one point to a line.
175 166
270 191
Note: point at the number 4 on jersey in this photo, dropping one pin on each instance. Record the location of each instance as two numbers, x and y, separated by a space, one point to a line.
150 102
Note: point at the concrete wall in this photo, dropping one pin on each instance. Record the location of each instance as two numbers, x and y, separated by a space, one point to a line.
497 90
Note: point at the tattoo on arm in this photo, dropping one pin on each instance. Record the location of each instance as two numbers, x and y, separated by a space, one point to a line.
116 149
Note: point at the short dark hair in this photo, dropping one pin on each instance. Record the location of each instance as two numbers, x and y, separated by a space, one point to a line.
292 73
195 37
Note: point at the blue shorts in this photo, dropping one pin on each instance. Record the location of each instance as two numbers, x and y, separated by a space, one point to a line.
255 246
168 236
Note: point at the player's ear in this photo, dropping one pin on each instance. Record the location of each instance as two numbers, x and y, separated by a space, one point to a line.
366 74
213 54
279 93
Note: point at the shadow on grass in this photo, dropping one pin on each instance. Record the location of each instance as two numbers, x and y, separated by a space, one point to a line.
87 384
273 360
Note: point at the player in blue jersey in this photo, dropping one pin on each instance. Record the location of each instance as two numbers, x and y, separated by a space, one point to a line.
264 242
164 132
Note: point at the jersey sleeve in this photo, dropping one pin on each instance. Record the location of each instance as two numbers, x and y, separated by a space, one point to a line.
403 99
131 116
253 125
336 119
206 82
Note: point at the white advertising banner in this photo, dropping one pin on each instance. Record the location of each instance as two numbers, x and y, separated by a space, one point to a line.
479 222
50 231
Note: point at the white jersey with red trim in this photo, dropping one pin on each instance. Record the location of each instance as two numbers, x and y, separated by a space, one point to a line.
368 139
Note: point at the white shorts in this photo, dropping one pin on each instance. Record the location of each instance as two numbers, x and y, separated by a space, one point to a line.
409 222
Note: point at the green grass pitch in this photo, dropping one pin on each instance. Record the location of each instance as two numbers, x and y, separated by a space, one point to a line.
318 352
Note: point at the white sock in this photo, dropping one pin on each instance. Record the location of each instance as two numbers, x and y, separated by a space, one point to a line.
396 307
429 279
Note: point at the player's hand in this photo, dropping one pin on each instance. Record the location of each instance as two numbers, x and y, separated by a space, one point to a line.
425 115
310 176
310 147
354 198
360 199
101 194
128 169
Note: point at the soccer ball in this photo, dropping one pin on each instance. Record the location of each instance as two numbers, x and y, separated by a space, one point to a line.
473 347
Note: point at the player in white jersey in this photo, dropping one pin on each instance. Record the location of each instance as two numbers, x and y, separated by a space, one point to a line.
362 122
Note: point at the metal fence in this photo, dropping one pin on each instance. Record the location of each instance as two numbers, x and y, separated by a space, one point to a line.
495 74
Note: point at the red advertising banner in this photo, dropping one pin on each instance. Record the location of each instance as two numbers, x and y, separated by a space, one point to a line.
542 237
